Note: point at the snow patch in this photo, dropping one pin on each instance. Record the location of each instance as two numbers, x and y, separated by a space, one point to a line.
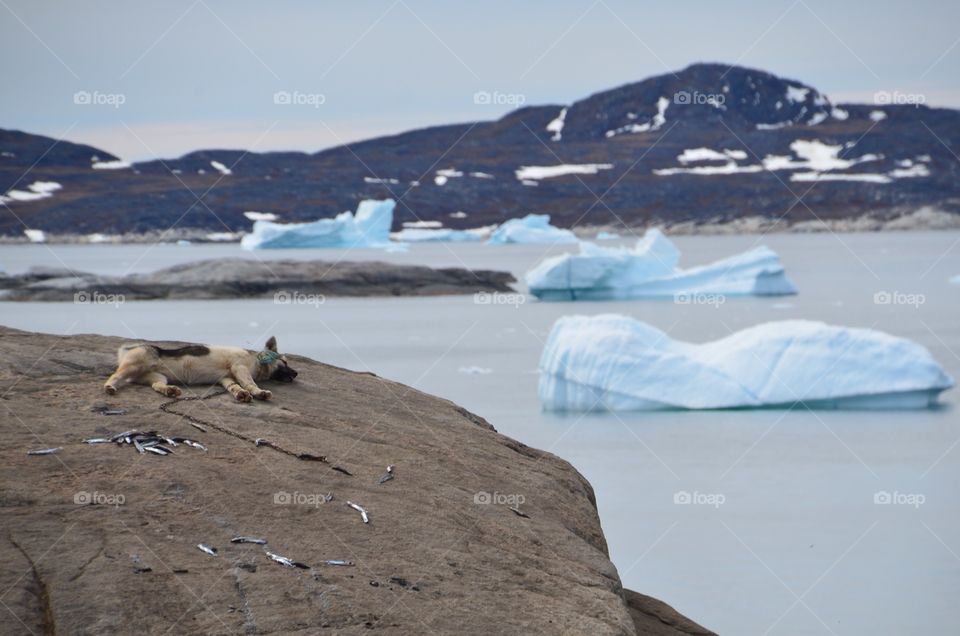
658 120
115 164
877 115
222 169
797 94
378 180
445 175
534 173
556 125
34 192
253 215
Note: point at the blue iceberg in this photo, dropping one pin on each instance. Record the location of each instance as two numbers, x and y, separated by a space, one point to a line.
532 229
440 235
615 363
369 227
650 270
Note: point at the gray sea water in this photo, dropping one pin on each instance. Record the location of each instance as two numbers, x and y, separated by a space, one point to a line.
787 537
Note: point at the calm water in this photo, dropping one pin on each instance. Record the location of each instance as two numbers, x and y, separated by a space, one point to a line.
798 545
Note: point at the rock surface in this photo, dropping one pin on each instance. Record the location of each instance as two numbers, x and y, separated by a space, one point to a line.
242 278
431 560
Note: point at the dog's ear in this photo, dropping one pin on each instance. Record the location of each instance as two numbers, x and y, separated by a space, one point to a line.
272 344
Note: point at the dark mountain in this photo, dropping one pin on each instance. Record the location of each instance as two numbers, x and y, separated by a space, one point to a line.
768 141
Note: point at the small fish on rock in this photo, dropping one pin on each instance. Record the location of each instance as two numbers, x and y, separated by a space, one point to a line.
361 510
45 451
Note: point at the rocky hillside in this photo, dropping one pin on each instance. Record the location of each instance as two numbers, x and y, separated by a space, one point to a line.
708 143
101 539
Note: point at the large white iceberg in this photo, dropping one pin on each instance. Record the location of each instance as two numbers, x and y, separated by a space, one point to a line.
531 229
615 363
369 227
649 270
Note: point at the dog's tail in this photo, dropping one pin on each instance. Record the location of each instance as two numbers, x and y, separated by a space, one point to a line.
125 348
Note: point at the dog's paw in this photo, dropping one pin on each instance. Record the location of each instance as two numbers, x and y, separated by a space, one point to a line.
172 391
263 395
109 390
243 395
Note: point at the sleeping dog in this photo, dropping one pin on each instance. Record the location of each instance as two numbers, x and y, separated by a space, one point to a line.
237 370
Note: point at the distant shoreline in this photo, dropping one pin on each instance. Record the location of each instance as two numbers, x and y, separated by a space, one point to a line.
925 218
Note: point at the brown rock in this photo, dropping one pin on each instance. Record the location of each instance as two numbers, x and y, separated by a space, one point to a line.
431 560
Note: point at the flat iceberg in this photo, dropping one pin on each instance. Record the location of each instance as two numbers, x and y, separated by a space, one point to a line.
440 235
369 227
531 229
649 270
615 363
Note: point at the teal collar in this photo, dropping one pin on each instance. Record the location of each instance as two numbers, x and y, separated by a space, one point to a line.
266 358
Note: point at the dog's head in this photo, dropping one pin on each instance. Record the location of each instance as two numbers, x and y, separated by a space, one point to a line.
273 365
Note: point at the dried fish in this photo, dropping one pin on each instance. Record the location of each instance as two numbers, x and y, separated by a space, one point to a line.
157 450
113 412
387 476
207 549
45 451
338 562
187 442
97 440
124 435
342 470
290 563
138 446
361 510
248 540
519 512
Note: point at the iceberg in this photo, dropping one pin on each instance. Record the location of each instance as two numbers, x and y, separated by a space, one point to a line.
369 227
440 235
615 363
531 229
650 270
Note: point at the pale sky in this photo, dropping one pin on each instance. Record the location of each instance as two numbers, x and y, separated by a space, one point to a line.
195 74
